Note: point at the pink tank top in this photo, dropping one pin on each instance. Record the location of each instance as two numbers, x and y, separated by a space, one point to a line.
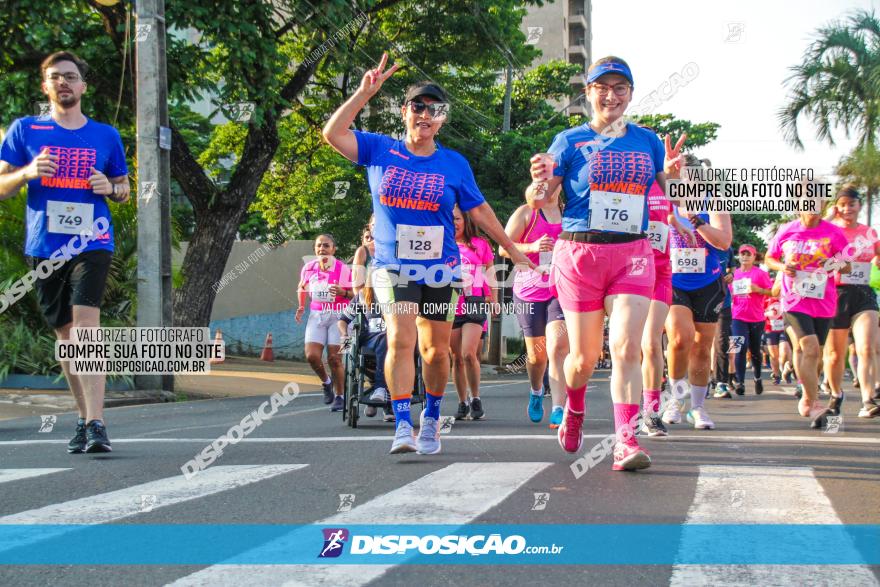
528 285
659 209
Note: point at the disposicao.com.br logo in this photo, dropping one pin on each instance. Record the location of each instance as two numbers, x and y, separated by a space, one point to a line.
449 544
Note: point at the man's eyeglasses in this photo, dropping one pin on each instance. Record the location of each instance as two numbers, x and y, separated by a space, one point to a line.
68 77
436 110
619 90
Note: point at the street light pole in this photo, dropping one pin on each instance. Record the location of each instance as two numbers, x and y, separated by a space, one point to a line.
496 354
153 178
508 91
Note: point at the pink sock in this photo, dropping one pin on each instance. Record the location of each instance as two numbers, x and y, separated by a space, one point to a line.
577 399
651 400
625 421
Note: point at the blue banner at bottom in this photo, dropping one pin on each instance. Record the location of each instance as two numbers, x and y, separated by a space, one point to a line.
692 544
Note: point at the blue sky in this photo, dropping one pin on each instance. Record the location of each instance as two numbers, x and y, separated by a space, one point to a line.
740 84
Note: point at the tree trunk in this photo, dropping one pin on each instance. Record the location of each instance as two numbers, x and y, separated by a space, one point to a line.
220 213
203 265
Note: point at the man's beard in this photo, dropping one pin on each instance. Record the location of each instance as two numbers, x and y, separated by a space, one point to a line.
66 101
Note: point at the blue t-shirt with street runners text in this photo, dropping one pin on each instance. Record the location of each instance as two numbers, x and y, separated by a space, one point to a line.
590 162
60 207
417 192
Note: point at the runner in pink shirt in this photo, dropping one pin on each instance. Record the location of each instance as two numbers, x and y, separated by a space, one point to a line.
804 250
749 287
470 319
856 305
660 215
537 310
327 281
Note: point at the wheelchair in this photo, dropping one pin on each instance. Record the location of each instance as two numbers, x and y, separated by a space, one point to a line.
360 366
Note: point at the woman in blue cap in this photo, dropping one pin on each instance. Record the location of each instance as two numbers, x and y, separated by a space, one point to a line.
603 262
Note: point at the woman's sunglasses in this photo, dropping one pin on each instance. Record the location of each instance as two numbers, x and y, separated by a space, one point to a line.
436 109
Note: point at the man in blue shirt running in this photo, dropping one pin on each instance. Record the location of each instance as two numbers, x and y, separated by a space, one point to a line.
71 165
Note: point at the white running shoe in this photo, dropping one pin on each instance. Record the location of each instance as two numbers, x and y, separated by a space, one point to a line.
404 439
699 417
428 441
380 395
672 413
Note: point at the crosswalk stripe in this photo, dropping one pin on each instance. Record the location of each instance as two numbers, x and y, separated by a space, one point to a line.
123 503
458 494
761 495
7 475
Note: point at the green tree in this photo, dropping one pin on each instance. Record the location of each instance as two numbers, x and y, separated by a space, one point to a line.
699 134
294 61
861 167
838 85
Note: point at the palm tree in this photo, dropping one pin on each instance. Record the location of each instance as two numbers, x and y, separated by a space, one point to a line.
838 84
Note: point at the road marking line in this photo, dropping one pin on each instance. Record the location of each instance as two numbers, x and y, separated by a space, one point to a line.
482 386
761 495
708 437
224 427
459 494
123 503
7 475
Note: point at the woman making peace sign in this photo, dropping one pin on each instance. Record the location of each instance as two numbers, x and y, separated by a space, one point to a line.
415 184
602 262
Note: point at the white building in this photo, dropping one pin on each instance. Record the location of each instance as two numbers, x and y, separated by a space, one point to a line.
563 30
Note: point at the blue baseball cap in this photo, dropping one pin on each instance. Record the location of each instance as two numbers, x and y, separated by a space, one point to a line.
609 67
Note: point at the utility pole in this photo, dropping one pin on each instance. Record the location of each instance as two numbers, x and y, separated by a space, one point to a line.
507 94
153 176
496 356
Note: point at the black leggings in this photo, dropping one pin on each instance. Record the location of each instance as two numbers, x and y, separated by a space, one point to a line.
722 359
747 335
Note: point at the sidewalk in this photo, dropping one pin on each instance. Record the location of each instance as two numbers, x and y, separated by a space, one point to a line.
236 377
20 403
245 376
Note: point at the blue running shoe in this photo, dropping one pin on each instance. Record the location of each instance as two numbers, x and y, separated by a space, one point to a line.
536 407
556 417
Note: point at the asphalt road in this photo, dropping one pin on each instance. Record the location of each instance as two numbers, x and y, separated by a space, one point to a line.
761 465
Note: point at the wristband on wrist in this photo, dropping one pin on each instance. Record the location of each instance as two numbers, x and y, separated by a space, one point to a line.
539 187
697 222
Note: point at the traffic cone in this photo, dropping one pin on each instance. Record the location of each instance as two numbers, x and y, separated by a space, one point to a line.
267 354
218 338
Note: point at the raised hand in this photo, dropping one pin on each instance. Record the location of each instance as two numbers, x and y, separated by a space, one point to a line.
542 166
374 78
673 158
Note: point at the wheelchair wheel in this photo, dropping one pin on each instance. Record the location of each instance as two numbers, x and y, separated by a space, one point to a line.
353 412
350 403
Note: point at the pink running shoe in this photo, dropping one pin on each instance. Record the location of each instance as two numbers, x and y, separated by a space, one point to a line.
630 457
570 434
